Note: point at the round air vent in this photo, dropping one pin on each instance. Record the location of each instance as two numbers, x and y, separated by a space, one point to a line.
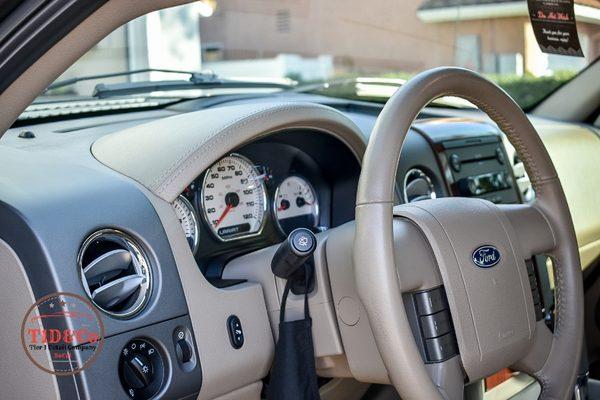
417 186
115 273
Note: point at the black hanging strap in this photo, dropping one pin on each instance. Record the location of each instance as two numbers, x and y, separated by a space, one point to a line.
294 376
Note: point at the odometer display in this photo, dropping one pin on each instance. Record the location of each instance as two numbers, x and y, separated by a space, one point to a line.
233 198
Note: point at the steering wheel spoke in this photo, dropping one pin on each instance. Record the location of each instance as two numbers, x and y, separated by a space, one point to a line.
411 249
533 361
531 227
448 377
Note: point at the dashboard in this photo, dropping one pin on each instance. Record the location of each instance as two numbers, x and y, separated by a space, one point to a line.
297 165
254 196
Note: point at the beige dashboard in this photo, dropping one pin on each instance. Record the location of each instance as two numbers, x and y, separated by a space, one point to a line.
575 151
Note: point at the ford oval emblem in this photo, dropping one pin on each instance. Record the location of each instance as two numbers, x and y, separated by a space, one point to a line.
486 256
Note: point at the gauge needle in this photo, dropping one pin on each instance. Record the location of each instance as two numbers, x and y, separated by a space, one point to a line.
225 212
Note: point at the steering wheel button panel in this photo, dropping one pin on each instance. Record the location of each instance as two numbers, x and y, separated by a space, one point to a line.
435 325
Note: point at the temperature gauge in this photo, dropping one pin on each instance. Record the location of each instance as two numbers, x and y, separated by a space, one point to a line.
296 205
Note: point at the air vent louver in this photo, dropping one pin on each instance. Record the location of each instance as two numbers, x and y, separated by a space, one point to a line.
417 186
115 273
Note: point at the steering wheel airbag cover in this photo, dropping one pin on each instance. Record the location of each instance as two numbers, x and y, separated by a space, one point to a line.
456 227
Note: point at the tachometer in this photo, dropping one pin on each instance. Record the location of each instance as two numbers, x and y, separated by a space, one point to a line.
189 223
296 204
234 198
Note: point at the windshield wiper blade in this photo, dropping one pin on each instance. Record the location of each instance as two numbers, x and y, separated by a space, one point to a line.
196 81
72 81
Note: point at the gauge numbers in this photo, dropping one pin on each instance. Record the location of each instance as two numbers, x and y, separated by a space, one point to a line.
189 223
296 205
233 198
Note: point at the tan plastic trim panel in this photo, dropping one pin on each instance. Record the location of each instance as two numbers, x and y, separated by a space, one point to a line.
575 151
19 377
256 267
69 49
248 392
225 370
167 154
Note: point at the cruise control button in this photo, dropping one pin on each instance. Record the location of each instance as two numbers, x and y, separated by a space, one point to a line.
530 267
435 325
430 302
441 348
532 281
536 296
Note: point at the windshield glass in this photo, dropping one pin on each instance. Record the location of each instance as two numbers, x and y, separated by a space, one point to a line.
344 48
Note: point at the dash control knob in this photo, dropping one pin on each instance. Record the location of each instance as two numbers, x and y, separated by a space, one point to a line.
141 369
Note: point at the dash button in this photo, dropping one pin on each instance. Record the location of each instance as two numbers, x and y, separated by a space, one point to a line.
236 333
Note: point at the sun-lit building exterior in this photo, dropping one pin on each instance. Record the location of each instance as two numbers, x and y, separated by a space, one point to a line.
311 40
408 35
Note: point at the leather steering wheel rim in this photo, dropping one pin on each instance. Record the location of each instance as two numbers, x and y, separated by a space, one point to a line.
553 362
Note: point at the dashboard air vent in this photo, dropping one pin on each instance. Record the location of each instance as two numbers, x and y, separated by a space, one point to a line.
417 186
115 273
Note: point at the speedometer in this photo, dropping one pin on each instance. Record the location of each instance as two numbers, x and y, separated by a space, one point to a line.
233 198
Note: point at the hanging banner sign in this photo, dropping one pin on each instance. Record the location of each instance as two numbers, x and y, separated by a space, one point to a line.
553 23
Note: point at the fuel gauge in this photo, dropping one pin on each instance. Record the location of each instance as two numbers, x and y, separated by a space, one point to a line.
296 205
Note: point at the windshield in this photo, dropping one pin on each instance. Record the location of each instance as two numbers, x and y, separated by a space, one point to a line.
344 48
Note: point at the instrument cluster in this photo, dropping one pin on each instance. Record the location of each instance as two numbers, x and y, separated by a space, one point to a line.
236 199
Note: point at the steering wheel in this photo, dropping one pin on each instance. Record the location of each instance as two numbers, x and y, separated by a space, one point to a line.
490 300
